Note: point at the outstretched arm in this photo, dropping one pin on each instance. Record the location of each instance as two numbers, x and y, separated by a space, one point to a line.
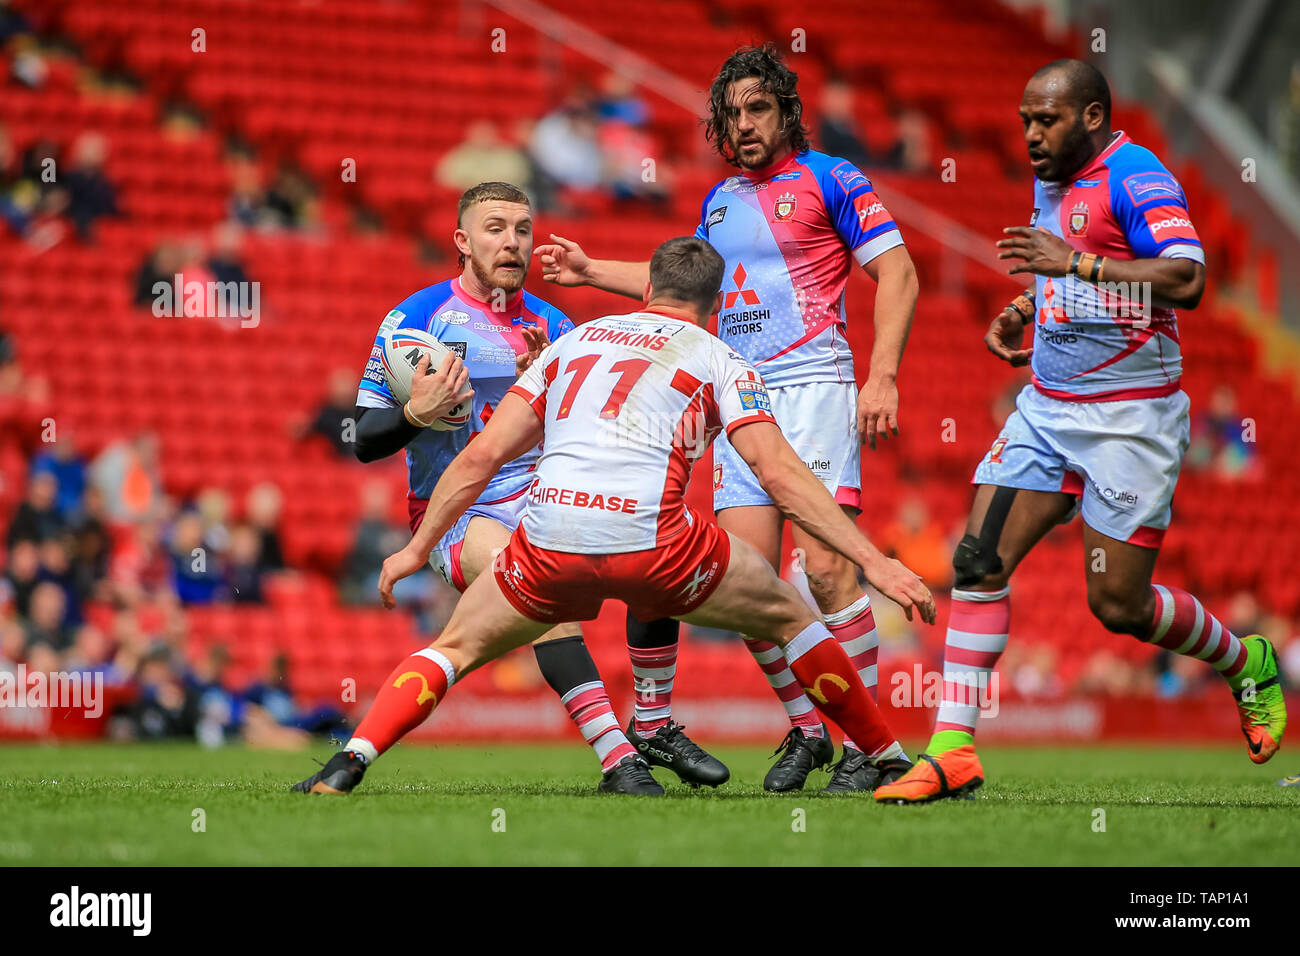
513 429
564 263
805 501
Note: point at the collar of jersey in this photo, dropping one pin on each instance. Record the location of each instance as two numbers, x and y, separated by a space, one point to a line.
675 318
1118 139
767 172
515 305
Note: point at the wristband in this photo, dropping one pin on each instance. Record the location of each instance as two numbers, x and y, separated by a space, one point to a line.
410 416
1073 268
1087 266
1101 261
1024 305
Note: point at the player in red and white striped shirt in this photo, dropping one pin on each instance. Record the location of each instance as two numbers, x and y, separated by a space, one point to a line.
624 408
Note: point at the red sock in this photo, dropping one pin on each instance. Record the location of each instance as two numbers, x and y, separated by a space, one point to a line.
829 678
405 701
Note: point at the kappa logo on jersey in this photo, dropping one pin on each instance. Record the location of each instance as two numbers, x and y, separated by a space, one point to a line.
784 207
748 296
753 396
716 217
1079 220
735 184
1149 187
454 317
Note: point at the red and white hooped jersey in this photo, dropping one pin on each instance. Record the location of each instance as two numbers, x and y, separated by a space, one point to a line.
629 403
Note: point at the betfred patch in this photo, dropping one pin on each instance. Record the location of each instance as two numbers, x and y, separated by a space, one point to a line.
1144 188
850 177
753 396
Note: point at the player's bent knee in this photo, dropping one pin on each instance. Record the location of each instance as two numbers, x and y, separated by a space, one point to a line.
1118 615
560 631
976 563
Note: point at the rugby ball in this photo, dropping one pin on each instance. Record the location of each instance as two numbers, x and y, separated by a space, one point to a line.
402 350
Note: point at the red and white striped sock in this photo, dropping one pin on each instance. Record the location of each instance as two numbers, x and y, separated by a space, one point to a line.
1183 626
978 625
798 707
589 709
855 628
653 670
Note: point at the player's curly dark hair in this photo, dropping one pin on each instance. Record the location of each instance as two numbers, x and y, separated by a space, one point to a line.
764 63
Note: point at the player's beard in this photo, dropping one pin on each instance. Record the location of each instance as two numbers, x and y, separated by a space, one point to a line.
758 160
507 282
1074 153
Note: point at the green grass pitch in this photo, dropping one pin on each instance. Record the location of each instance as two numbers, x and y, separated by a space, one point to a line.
491 805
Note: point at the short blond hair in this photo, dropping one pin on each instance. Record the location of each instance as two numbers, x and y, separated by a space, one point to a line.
486 192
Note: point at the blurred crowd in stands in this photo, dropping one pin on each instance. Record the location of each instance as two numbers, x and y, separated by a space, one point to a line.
88 529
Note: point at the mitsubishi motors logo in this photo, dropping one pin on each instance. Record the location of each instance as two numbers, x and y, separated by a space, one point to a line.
748 296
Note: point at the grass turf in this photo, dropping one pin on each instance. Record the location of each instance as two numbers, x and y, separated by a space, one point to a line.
123 805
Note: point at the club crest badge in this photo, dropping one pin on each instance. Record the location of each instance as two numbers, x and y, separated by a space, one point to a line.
1079 220
784 207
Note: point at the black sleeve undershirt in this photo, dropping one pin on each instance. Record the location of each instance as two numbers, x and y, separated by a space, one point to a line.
382 431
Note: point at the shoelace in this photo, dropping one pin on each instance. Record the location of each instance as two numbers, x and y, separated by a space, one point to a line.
640 770
674 733
791 740
841 764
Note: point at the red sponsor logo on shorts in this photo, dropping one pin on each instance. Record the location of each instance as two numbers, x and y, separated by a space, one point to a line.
717 477
995 453
582 499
